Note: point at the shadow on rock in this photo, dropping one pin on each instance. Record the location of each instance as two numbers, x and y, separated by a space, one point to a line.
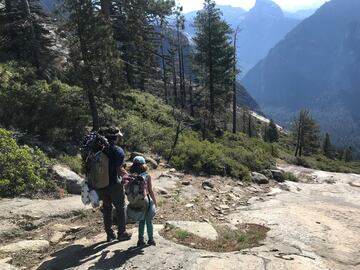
77 255
118 258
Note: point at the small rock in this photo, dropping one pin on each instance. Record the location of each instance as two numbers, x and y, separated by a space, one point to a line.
233 197
278 175
259 178
192 244
207 185
206 220
67 228
210 197
355 184
27 245
185 183
217 208
61 228
64 243
224 207
56 237
74 229
178 174
189 205
70 237
162 191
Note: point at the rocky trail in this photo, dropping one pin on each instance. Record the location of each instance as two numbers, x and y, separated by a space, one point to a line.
313 224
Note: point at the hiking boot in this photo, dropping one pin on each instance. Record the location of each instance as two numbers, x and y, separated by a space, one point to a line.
110 237
140 243
124 236
151 242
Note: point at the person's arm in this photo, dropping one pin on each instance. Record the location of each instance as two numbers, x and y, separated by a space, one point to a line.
119 160
150 189
121 171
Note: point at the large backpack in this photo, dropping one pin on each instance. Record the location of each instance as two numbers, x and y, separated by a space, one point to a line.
136 191
96 161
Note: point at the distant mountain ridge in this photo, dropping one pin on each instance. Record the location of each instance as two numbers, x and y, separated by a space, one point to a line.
317 66
262 27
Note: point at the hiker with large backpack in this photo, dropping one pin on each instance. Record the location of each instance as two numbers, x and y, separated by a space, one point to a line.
104 172
142 201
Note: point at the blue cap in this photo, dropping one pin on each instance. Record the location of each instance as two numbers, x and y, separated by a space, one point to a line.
139 160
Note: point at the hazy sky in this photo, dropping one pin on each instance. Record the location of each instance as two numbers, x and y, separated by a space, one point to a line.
288 5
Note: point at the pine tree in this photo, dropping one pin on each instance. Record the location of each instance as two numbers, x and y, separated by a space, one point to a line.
271 132
327 147
305 134
235 72
25 31
94 61
214 57
348 155
135 33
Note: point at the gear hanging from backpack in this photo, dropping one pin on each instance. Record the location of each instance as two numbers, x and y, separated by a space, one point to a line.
95 160
89 196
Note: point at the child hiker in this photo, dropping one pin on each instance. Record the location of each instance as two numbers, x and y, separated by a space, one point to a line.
142 201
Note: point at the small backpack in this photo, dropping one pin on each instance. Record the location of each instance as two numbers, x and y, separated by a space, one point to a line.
136 191
96 161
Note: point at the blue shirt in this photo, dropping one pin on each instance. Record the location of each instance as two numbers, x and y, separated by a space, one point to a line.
116 159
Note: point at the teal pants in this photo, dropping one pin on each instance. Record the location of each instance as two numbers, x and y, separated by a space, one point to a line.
149 226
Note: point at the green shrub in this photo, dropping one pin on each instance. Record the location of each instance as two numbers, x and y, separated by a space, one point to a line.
182 234
290 177
195 155
22 169
55 111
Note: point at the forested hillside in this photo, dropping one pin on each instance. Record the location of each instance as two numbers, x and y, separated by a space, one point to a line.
126 64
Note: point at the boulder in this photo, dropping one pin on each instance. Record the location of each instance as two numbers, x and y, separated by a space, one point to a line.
267 173
149 160
259 178
278 175
207 184
70 179
26 245
201 229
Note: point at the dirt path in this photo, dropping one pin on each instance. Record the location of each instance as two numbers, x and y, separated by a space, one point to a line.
312 226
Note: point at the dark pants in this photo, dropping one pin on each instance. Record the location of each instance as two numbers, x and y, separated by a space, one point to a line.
113 195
